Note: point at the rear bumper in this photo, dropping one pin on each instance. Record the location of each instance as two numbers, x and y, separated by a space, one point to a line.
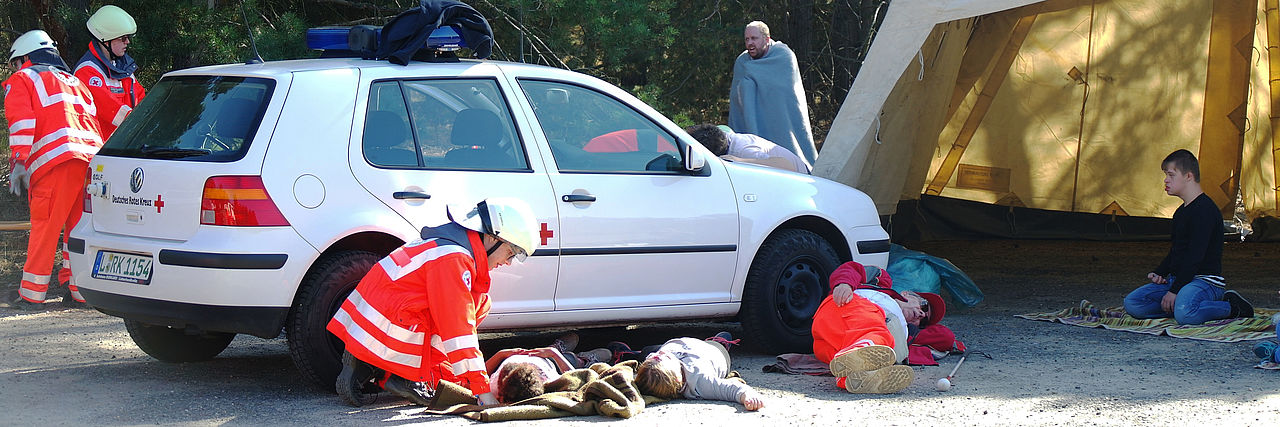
209 269
265 322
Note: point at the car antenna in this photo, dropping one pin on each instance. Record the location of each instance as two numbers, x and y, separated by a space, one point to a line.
256 59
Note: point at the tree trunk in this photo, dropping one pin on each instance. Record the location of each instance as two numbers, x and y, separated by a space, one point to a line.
844 48
800 39
53 26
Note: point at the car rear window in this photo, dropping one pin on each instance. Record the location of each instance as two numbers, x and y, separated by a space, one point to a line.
194 118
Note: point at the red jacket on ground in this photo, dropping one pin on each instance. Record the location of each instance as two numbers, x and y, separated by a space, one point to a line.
415 313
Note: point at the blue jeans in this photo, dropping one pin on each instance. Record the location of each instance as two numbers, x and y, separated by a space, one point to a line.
1197 302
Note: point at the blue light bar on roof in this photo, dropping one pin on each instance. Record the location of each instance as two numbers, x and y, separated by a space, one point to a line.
445 38
327 38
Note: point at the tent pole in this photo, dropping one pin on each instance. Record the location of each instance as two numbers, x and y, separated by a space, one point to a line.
1273 71
1084 101
985 97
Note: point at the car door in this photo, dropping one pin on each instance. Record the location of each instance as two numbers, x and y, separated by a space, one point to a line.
424 143
636 229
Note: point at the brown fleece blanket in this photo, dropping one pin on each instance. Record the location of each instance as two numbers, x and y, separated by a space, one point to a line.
601 389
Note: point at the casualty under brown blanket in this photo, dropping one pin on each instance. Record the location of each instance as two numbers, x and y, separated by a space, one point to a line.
601 389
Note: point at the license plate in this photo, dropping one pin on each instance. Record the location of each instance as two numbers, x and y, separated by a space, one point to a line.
122 267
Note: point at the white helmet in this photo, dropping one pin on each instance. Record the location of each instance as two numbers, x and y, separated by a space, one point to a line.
508 219
111 22
30 41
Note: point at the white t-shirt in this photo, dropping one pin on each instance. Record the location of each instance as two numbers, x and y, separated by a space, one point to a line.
548 368
750 146
892 313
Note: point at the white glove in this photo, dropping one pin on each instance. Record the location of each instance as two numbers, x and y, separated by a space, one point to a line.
487 399
18 179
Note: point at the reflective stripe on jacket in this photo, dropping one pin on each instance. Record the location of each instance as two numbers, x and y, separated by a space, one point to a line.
51 118
415 313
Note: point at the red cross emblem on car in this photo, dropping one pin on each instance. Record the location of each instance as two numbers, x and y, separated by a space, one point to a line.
545 233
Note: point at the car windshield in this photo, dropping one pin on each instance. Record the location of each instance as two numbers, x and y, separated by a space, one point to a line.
194 118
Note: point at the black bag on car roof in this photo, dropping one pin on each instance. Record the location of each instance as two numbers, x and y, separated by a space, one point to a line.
404 36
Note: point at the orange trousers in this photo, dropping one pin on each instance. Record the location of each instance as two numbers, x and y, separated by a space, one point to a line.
56 199
837 329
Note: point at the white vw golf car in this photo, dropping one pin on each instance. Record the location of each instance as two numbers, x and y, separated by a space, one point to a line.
251 198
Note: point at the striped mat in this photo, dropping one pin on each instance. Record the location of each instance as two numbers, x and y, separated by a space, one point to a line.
1224 330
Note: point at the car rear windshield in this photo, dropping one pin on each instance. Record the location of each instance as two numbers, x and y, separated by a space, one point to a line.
194 118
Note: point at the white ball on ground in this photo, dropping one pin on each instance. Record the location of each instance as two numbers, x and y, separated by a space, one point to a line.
944 384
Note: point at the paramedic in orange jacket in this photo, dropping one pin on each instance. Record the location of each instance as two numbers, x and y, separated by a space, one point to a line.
412 320
52 136
108 70
858 326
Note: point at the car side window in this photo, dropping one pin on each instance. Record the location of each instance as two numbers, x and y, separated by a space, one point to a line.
589 131
387 137
442 124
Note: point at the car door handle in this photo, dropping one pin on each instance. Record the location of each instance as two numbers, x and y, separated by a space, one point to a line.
401 195
571 198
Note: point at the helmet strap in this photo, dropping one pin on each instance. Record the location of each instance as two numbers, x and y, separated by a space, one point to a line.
490 250
105 47
482 209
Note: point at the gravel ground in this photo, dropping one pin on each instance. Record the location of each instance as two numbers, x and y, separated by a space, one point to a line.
73 367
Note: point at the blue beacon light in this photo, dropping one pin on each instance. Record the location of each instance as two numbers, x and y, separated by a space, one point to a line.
335 38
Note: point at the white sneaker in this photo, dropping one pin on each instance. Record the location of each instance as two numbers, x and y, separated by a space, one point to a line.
890 379
862 359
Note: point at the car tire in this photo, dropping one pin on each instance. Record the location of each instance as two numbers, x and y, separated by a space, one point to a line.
316 352
786 283
176 345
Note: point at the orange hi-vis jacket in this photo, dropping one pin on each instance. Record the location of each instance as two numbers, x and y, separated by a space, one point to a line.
415 313
51 118
115 98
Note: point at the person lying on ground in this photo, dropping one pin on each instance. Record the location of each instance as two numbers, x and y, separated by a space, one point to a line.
517 374
694 369
1188 284
860 330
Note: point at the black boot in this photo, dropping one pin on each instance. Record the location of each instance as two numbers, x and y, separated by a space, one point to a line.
16 302
67 300
24 305
355 383
1240 307
415 392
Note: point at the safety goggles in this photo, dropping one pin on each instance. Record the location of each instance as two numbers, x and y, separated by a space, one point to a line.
517 253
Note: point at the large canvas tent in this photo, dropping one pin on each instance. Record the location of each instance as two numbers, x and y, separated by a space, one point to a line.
1062 106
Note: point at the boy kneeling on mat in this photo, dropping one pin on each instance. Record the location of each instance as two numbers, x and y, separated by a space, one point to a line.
1188 284
860 330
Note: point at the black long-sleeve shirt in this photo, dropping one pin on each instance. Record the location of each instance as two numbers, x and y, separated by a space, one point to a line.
1197 243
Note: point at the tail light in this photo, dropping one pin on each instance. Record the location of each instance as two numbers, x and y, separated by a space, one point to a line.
88 200
240 201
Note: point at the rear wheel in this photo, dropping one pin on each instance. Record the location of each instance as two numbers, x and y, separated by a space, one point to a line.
786 283
176 345
318 353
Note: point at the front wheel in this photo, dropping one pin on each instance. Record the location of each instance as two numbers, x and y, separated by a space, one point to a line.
786 283
316 352
176 345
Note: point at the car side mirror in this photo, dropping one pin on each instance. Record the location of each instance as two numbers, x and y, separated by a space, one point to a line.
693 160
